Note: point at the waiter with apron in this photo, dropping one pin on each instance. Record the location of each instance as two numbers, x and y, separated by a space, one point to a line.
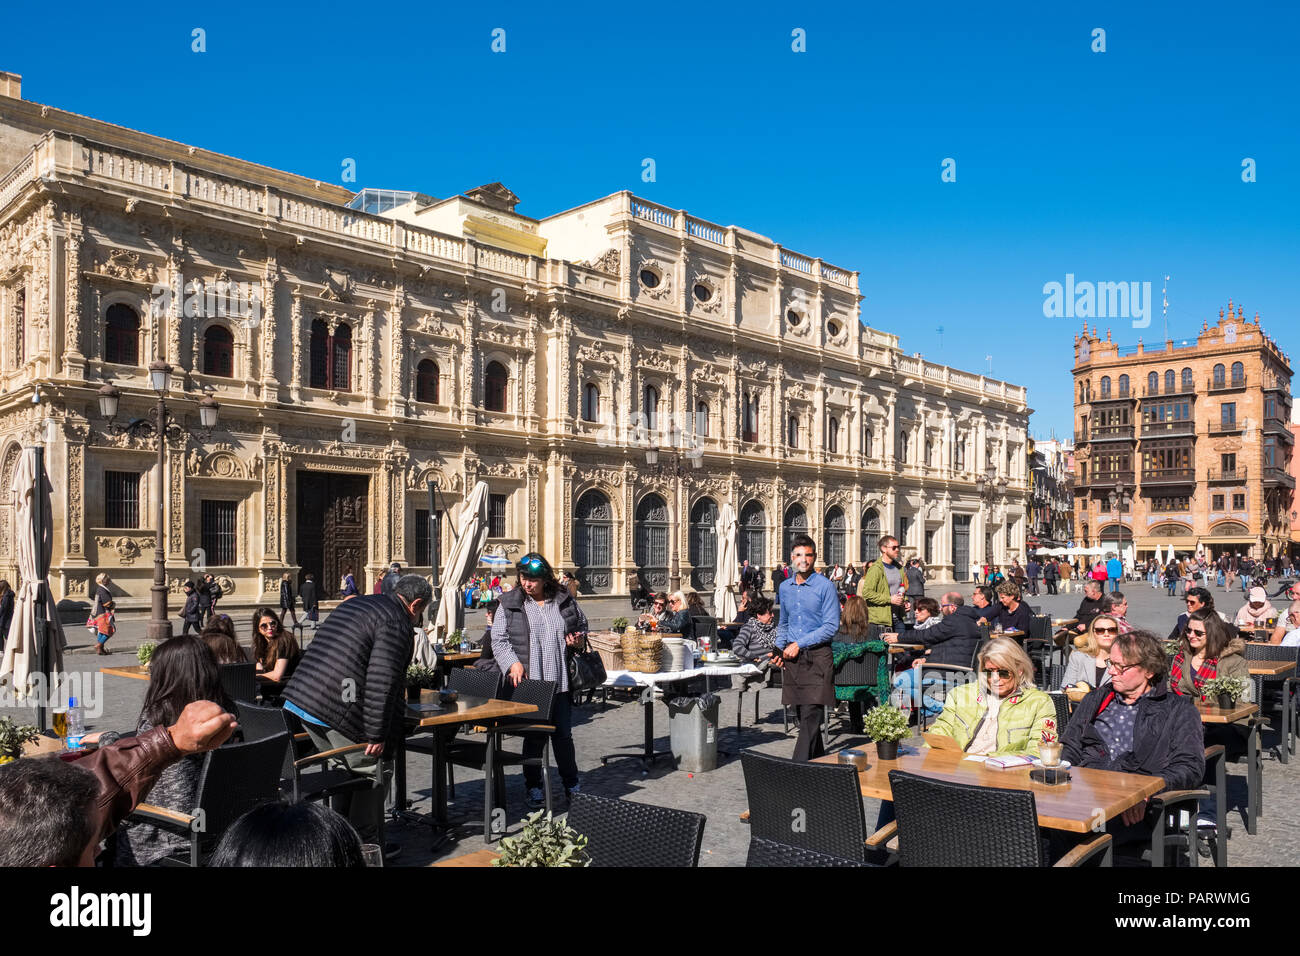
810 619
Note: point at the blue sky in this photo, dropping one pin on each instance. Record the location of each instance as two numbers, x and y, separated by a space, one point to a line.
1115 166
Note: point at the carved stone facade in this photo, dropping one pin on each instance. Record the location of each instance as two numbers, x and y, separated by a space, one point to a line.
686 335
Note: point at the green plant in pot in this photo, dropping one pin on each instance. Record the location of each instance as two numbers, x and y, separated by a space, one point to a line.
419 677
1224 691
454 640
619 623
13 737
144 653
544 842
886 726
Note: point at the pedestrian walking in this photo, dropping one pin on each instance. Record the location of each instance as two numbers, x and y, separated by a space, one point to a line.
101 623
1033 570
389 580
214 595
288 600
310 599
1050 575
191 613
364 648
348 585
810 619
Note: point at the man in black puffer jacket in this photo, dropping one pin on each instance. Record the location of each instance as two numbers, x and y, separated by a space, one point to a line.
952 641
347 688
1135 725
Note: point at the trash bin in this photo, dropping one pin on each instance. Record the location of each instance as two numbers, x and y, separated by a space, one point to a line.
693 731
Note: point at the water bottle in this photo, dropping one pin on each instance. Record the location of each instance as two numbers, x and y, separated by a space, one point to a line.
76 724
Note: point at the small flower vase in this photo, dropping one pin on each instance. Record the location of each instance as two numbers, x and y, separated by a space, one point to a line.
887 749
1226 702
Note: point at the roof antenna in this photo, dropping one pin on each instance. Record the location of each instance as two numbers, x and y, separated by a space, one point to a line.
1164 312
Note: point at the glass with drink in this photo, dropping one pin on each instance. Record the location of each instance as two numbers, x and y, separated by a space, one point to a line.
59 723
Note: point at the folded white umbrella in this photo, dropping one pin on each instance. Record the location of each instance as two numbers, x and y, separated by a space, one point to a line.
471 538
727 574
19 663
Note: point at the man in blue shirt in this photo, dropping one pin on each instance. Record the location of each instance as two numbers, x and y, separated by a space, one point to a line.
1114 571
810 619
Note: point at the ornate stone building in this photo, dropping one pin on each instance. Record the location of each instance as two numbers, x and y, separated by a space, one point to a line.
362 345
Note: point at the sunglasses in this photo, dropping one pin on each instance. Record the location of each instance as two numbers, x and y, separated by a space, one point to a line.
1001 672
1106 630
265 625
1192 630
533 565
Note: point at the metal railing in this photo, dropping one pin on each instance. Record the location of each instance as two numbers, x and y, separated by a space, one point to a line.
1169 476
1225 384
1227 474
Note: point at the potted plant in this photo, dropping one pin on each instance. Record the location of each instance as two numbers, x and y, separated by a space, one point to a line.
14 736
886 726
454 640
419 677
1225 691
544 842
1172 647
619 624
144 653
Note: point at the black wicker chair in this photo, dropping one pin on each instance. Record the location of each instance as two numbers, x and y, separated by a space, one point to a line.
770 853
812 806
629 834
953 675
259 723
235 779
1062 705
951 824
1039 644
239 681
1275 652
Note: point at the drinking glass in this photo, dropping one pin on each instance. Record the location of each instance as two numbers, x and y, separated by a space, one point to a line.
59 723
372 854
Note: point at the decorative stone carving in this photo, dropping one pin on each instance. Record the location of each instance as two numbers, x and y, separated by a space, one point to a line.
127 548
607 262
123 264
338 285
665 287
714 301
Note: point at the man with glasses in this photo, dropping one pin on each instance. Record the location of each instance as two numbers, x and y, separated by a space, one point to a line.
883 585
1135 724
810 619
658 612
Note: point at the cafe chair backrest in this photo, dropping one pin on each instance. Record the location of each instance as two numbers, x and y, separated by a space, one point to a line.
238 777
239 681
626 833
823 796
952 824
474 683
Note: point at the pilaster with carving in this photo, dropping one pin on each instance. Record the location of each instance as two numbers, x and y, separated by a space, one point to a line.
267 330
176 503
75 437
74 361
370 356
400 371
297 345
273 496
534 511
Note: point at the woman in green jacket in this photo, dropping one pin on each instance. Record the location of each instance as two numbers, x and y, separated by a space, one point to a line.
1002 713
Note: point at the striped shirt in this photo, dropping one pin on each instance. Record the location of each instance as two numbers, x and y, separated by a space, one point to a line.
546 644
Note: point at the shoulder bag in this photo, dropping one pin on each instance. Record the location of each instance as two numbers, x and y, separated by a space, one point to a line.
586 669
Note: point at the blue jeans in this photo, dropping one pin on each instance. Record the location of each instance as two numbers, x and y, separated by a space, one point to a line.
1173 586
906 682
1114 585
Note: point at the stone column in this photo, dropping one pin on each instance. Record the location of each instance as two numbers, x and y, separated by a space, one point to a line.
298 346
74 361
267 330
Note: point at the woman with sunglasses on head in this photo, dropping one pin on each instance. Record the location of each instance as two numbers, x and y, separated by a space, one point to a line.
1090 664
275 649
535 626
1002 712
1196 599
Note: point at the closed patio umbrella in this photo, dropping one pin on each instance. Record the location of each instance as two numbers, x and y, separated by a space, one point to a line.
471 538
727 574
21 666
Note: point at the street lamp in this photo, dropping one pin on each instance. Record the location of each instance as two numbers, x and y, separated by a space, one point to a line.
674 467
162 423
1119 500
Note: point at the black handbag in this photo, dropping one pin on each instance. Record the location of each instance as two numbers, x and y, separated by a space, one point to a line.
586 669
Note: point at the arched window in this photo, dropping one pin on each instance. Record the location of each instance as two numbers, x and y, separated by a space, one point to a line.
331 357
792 432
1153 384
1188 385
834 534
593 537
218 351
868 441
121 335
833 435
1105 386
903 441
703 545
495 379
1169 381
1238 374
1123 386
702 419
796 522
870 535
650 406
591 402
651 536
426 382
749 424
751 536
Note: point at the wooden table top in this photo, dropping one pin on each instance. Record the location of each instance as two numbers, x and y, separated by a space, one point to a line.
1075 695
461 656
1271 668
1071 806
467 710
1217 715
135 671
477 858
898 648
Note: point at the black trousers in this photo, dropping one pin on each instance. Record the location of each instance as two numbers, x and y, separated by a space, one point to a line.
809 744
1051 585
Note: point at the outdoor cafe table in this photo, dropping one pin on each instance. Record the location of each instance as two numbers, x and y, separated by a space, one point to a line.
134 671
1071 806
1254 766
425 714
1270 668
630 679
1278 669
448 661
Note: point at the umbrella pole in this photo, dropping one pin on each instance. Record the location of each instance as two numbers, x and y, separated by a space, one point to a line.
435 548
41 637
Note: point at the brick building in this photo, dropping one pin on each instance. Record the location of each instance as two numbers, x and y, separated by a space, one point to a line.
1196 438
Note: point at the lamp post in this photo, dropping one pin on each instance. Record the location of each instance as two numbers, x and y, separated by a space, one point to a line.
989 485
162 423
674 466
1118 500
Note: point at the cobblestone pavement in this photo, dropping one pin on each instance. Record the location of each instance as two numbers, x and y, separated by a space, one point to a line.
720 794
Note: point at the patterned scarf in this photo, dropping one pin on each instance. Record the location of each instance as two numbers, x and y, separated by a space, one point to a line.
1208 670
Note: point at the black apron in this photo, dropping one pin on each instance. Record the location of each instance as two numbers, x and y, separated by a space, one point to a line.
809 679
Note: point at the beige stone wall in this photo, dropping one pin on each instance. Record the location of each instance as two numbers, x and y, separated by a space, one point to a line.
114 226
